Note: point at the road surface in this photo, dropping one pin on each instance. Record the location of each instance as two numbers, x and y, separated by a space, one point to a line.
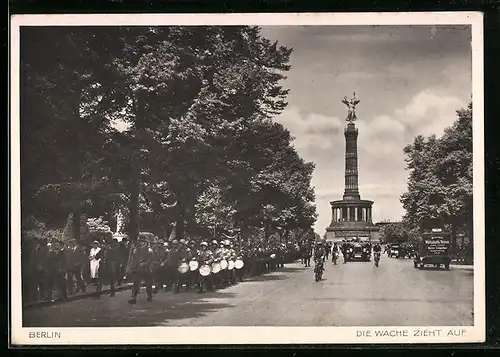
352 294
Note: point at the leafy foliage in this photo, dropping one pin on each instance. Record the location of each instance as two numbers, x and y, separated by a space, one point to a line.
440 180
139 118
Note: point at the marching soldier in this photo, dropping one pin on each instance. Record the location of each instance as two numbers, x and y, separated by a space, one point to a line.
124 254
108 266
193 254
217 256
184 254
205 256
139 269
158 266
172 264
75 260
57 271
241 252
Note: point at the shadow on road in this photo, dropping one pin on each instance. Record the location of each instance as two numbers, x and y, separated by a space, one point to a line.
159 312
391 300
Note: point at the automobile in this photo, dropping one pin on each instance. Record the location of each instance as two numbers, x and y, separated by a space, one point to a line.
433 248
359 250
394 251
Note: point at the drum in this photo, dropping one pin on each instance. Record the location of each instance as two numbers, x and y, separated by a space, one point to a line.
230 265
204 270
193 265
216 268
273 256
183 268
223 264
238 264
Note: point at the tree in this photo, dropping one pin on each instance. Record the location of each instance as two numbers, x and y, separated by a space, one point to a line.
395 233
440 180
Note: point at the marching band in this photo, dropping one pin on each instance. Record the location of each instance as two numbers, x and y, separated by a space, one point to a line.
159 265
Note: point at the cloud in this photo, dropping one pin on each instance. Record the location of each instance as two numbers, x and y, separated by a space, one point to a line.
429 113
382 175
313 132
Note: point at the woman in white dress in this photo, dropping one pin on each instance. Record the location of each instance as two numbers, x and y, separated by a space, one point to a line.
94 260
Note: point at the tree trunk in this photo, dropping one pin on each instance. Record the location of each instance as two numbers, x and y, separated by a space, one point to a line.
180 218
75 229
133 226
453 237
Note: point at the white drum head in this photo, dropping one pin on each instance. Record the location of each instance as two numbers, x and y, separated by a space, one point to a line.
230 265
273 256
183 268
223 264
193 265
215 268
204 270
238 264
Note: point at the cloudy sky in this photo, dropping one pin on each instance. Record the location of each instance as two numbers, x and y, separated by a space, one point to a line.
410 80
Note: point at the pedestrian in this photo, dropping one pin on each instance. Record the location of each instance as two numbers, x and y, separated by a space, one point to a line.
108 267
205 257
139 269
75 261
94 261
57 272
344 250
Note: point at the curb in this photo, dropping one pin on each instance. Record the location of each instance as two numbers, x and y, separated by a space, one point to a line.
46 303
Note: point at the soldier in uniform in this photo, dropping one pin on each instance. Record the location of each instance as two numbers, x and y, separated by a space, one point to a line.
165 275
157 269
193 254
75 260
240 251
139 269
205 256
109 266
233 254
184 254
172 264
57 271
343 248
124 254
217 256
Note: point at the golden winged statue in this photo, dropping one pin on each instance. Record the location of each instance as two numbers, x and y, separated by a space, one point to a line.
351 106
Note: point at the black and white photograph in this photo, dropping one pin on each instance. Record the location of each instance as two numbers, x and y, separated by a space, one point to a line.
318 174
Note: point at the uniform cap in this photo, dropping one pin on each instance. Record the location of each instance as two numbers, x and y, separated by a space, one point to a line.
175 241
214 242
165 244
204 243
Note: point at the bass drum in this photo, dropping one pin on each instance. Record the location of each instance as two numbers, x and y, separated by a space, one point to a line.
193 265
223 264
183 268
273 256
238 264
205 270
230 265
216 268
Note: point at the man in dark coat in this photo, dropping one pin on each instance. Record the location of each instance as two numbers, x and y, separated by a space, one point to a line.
57 270
75 259
139 269
109 266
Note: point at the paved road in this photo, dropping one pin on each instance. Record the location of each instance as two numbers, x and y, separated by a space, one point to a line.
352 294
